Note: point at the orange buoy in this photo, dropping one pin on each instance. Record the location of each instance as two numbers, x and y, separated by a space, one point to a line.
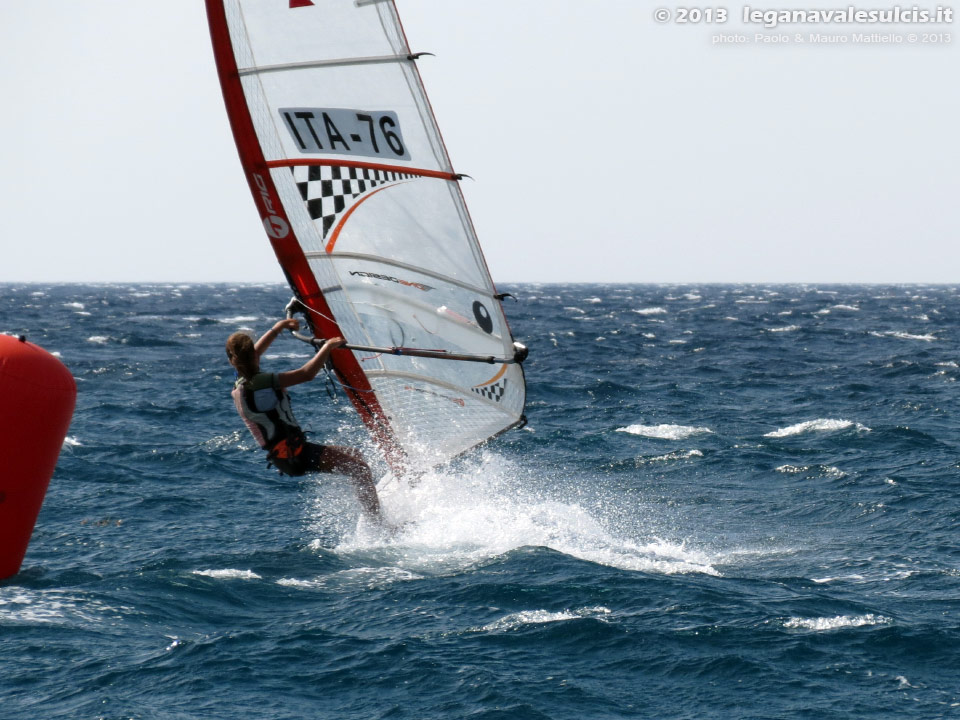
37 396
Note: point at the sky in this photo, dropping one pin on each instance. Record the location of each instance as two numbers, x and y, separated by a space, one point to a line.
605 146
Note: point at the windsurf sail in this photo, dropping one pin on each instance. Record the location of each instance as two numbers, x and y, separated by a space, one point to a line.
360 201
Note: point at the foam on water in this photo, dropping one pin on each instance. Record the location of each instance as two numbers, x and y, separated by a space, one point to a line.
828 471
20 605
818 425
665 431
362 578
229 574
651 311
928 337
821 624
450 521
541 617
849 578
678 455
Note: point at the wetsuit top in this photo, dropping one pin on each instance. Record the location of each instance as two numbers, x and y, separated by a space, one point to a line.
265 408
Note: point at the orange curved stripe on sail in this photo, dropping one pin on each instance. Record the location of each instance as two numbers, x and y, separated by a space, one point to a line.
336 231
503 369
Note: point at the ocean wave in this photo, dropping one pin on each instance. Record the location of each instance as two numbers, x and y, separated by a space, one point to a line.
787 328
825 580
837 622
791 469
52 607
828 471
235 439
453 521
229 574
365 578
679 455
303 584
665 432
818 425
651 311
929 337
541 617
98 339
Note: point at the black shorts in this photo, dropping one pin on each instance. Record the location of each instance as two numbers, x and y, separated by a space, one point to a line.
308 460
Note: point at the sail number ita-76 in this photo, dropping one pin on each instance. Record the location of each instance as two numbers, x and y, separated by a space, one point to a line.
336 131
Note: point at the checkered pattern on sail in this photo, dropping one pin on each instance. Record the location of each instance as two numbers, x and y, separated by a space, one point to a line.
492 392
329 190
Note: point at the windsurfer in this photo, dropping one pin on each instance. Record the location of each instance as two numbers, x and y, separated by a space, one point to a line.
262 401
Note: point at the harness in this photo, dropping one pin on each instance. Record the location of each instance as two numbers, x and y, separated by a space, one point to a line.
265 408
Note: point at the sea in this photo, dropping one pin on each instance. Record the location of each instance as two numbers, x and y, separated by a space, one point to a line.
730 501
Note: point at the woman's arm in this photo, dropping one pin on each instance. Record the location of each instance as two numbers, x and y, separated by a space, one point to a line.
270 335
311 367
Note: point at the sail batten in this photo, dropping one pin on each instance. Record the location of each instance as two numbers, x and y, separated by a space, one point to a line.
359 199
314 162
486 292
306 65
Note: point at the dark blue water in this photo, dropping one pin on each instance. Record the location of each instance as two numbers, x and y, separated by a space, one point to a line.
730 502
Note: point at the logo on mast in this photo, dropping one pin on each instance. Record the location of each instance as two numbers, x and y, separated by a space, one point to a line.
300 3
275 225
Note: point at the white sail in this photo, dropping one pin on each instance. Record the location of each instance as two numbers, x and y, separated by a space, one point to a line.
364 210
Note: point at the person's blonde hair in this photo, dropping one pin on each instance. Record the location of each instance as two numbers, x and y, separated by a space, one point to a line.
242 353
